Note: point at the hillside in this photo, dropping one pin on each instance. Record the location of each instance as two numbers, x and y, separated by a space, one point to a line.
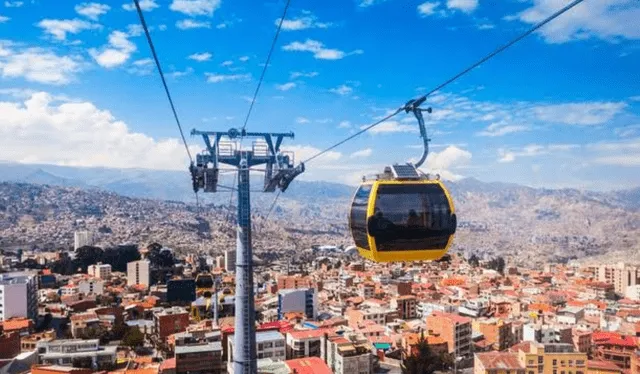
526 224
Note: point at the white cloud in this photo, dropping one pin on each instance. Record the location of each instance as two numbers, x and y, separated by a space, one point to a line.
243 59
37 65
286 86
302 120
635 98
42 130
4 19
187 24
217 78
200 57
501 128
588 113
603 19
13 4
308 21
466 6
342 90
318 49
145 5
59 28
178 74
510 155
116 52
428 8
446 161
486 26
195 7
298 74
226 63
368 3
362 153
303 152
344 125
93 11
141 67
628 131
390 127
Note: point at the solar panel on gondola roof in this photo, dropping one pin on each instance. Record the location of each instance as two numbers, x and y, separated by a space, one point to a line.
405 171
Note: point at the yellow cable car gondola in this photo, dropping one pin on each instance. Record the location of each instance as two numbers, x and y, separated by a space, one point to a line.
403 215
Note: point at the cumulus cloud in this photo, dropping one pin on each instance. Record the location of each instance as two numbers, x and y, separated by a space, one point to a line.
13 4
285 86
200 57
447 161
319 50
59 28
308 21
368 3
187 24
428 8
4 19
344 125
390 127
510 155
43 130
218 78
303 152
145 5
605 19
118 50
37 64
342 90
141 67
362 153
302 120
466 6
195 7
93 11
585 114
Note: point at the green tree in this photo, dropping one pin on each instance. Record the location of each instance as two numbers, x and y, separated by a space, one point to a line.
474 261
88 255
133 338
421 360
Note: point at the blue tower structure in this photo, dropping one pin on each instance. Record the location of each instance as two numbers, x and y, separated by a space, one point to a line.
279 173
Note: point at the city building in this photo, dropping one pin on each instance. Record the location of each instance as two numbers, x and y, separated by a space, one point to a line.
170 321
349 354
181 290
406 306
543 333
621 275
91 287
556 358
454 329
286 282
138 273
18 295
199 358
298 300
230 260
76 352
82 238
498 333
305 343
270 344
100 271
497 363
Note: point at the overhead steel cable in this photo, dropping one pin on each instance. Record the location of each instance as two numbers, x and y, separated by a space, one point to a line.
166 90
260 80
164 81
455 77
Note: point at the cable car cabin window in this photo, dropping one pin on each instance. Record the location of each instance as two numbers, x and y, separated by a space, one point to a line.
359 217
411 217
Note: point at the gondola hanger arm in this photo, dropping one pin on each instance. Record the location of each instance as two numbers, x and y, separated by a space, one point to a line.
413 106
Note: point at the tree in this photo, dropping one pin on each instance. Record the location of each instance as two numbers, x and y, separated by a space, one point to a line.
422 360
133 338
88 255
120 256
474 261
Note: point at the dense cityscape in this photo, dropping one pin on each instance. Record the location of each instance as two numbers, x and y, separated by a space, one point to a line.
143 309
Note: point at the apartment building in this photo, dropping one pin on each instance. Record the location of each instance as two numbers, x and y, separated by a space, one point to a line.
454 329
556 358
497 332
305 343
270 344
350 354
75 352
406 306
205 358
298 300
100 271
18 295
138 273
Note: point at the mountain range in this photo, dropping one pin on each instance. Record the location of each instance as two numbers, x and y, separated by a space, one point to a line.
527 225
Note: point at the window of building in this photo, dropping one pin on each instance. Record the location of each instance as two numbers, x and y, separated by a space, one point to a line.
555 362
530 362
580 362
570 362
531 372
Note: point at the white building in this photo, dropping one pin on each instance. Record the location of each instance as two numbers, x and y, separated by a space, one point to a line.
298 300
269 344
633 292
91 287
82 238
138 273
100 271
230 260
64 352
18 295
351 354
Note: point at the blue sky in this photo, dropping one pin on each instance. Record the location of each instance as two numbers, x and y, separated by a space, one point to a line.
559 109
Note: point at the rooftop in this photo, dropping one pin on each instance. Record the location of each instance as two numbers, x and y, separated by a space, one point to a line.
499 360
199 348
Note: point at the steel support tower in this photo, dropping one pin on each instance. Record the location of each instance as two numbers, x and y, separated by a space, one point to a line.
279 173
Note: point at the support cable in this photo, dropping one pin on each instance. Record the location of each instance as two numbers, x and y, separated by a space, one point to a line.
166 90
455 77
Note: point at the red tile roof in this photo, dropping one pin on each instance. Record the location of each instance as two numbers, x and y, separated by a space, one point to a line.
499 360
308 365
